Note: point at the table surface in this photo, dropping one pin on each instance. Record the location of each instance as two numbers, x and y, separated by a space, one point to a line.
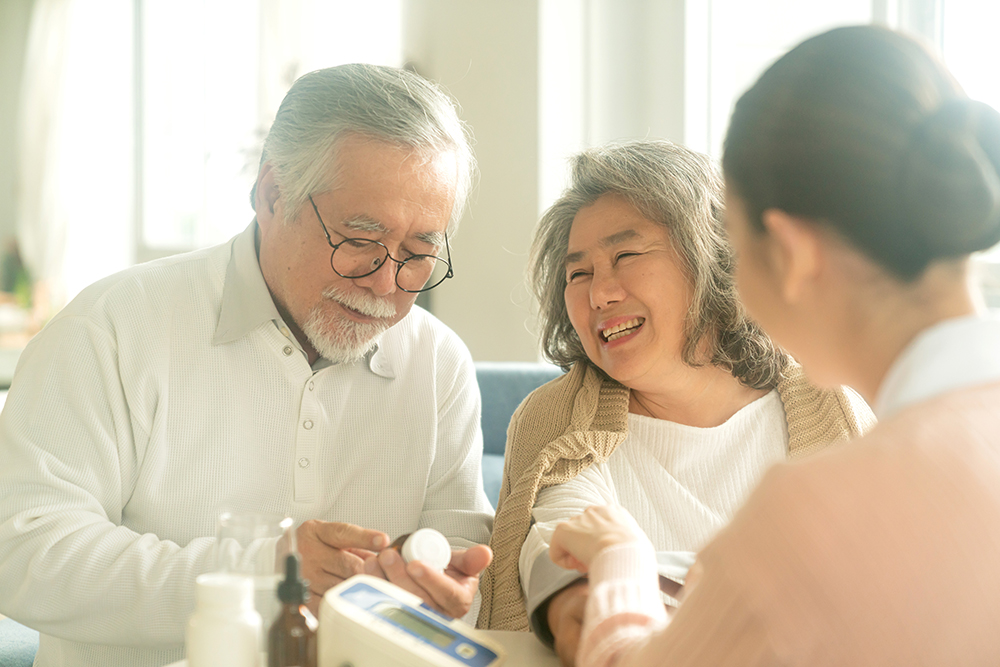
523 650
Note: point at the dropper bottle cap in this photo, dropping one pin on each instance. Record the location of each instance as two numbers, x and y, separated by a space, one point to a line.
293 590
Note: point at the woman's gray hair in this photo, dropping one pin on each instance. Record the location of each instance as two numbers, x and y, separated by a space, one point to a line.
682 191
384 103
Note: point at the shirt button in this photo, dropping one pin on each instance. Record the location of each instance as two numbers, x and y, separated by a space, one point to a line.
287 350
303 462
311 385
307 424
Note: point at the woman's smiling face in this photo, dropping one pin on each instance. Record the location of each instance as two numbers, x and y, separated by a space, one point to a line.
627 294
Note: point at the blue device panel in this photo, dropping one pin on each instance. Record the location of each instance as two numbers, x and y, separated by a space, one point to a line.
420 624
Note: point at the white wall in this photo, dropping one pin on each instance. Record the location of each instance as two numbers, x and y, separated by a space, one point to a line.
486 55
538 80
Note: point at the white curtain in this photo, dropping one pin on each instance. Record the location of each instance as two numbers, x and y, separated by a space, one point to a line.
75 145
213 74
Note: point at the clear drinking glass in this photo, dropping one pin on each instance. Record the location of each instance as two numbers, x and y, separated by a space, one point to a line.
255 545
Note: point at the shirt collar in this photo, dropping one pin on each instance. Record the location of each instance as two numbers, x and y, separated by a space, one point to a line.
246 300
247 303
953 354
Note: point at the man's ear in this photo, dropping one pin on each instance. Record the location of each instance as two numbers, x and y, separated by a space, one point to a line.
796 252
266 194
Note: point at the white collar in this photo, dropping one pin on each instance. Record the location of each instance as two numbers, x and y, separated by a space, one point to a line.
247 302
953 354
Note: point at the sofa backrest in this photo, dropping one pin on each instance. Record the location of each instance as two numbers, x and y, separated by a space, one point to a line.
503 385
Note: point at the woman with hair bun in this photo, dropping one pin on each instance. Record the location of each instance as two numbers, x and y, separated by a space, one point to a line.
859 181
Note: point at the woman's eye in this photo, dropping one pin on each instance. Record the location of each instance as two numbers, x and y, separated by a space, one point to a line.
622 255
575 275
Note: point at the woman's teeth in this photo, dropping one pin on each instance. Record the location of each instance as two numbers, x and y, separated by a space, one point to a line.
623 329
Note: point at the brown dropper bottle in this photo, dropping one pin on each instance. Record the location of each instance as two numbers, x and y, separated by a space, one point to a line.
291 642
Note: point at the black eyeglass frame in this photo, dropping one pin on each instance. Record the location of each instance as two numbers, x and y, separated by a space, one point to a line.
399 263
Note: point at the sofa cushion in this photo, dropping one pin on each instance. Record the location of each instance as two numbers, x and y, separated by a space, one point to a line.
18 644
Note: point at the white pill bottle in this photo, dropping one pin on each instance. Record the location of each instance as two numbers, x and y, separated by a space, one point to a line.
224 630
426 545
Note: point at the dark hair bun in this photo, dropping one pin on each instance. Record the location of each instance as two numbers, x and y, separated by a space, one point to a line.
864 130
950 188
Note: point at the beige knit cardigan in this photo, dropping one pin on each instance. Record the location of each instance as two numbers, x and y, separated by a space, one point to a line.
578 420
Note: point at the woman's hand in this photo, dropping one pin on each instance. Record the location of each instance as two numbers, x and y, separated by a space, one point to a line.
577 542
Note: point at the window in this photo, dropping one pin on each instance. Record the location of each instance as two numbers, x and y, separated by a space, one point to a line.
744 38
971 51
211 75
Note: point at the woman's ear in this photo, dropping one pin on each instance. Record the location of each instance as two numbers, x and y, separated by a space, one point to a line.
796 252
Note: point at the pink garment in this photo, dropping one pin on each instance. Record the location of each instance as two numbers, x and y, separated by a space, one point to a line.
883 552
623 604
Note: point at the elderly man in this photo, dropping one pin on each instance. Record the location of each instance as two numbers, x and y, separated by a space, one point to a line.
285 371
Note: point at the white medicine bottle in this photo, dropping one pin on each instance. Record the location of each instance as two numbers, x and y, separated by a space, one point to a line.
224 630
426 545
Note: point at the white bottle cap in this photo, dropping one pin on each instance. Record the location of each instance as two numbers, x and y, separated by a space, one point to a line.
429 547
224 590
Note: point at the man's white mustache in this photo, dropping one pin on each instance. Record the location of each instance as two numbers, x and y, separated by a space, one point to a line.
364 304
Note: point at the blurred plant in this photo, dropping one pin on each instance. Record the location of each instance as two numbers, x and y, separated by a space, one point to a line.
14 276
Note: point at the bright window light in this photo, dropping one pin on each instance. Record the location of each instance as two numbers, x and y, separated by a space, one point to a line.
971 51
213 73
745 38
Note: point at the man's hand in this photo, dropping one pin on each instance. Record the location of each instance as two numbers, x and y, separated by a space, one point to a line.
450 592
332 552
565 617
577 542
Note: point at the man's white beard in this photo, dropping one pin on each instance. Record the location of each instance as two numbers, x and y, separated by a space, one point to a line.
340 339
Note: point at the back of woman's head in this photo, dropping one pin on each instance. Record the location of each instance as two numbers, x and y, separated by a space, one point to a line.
863 130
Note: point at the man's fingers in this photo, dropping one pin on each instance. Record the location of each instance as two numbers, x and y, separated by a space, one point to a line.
349 536
471 561
394 568
363 554
373 568
325 566
451 594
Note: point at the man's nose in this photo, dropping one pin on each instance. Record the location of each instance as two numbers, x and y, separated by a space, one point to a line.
383 281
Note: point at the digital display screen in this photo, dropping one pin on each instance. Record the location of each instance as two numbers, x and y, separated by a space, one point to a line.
414 623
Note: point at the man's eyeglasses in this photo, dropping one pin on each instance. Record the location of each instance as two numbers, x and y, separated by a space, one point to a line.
357 258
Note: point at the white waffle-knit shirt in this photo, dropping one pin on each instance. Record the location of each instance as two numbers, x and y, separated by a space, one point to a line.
681 483
170 391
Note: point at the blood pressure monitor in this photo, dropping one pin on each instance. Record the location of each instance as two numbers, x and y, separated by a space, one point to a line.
369 622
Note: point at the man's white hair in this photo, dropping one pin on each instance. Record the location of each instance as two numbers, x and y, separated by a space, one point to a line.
384 103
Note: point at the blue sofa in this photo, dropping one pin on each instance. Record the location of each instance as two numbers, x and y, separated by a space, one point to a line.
17 644
503 384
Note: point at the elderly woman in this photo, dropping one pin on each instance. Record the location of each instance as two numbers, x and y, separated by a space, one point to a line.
859 181
674 404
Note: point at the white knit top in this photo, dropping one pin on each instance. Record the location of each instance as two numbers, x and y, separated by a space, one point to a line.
681 483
